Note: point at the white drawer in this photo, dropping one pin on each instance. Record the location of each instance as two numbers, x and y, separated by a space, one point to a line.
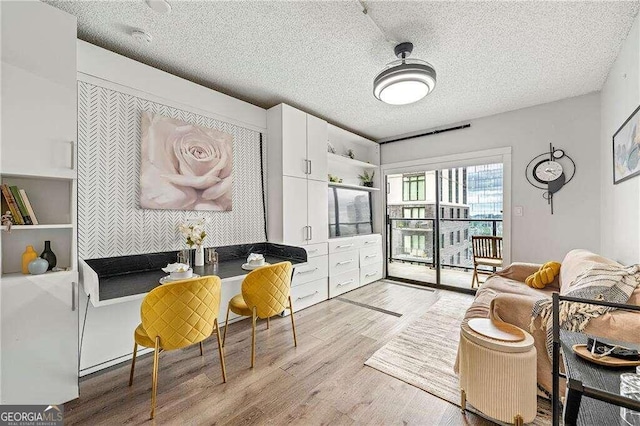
313 270
343 244
343 262
370 255
374 240
320 249
344 282
370 273
308 294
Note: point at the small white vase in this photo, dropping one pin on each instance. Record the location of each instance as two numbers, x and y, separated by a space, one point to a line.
199 261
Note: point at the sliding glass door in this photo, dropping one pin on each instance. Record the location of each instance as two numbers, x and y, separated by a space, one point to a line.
432 216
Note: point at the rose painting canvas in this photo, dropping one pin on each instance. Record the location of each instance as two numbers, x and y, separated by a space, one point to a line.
626 149
184 166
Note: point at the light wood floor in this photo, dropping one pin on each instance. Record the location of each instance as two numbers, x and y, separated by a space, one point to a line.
322 381
451 277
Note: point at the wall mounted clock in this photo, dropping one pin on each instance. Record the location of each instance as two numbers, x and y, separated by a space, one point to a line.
550 171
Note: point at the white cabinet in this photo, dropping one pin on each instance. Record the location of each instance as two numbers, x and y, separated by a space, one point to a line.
317 148
294 212
354 262
39 314
308 294
317 211
294 137
40 339
315 269
297 207
38 90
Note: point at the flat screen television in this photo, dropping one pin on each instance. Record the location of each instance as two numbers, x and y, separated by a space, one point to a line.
349 212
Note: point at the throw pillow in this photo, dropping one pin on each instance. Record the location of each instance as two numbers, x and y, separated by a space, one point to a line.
544 276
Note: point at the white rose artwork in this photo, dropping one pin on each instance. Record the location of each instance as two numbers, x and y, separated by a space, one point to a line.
184 166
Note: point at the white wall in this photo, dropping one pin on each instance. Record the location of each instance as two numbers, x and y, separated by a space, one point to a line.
571 124
620 208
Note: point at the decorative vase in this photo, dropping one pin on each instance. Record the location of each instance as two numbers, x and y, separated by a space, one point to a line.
49 255
38 266
199 260
368 184
28 255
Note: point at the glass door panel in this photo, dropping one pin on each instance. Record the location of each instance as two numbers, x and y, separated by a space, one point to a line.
470 205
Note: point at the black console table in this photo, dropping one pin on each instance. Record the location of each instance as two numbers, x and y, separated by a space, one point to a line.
593 391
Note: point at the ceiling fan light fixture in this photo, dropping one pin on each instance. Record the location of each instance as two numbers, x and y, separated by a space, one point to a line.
404 81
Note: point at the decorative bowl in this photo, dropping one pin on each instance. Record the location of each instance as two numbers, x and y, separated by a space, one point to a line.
181 275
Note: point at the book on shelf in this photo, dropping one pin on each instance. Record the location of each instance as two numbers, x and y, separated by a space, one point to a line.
23 210
27 204
11 205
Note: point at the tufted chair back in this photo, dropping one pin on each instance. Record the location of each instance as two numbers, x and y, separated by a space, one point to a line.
182 313
268 289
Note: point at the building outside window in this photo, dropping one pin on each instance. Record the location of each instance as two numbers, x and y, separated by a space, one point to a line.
458 213
415 244
413 188
466 234
458 258
451 238
441 240
458 236
414 212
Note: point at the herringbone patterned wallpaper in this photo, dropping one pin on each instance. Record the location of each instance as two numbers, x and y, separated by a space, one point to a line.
110 220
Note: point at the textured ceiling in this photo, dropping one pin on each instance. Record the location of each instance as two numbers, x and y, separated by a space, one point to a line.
322 56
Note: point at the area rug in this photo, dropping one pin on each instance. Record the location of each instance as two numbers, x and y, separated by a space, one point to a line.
424 353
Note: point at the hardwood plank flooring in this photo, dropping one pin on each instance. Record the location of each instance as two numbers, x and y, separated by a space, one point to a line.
322 381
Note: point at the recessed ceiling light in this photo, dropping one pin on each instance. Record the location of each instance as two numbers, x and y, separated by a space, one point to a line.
160 6
404 81
141 37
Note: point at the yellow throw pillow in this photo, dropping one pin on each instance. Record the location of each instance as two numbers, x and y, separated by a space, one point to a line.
544 276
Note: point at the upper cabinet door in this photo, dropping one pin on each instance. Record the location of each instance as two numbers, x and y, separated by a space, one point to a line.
294 142
317 148
39 95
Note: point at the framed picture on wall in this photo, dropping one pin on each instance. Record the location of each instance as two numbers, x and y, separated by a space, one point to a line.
626 149
184 166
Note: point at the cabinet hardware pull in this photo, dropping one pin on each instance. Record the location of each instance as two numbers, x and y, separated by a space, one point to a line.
369 256
345 246
310 233
306 233
345 283
73 155
307 271
309 166
344 262
370 274
307 296
312 250
370 242
73 296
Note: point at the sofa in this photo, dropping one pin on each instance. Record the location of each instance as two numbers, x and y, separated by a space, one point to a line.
505 296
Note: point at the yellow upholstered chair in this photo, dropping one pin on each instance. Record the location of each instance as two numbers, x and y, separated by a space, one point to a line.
265 292
177 315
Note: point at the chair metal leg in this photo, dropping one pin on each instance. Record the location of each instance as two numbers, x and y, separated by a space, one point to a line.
226 325
154 377
475 279
201 349
254 318
268 322
133 363
224 370
293 323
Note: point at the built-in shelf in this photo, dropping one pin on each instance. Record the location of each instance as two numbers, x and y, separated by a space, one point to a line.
36 227
348 186
43 277
335 158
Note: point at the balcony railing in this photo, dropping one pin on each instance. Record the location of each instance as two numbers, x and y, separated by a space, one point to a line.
454 236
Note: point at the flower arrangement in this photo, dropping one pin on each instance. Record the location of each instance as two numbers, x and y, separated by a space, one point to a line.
193 231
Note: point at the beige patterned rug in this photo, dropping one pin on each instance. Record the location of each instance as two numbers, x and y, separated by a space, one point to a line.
424 353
